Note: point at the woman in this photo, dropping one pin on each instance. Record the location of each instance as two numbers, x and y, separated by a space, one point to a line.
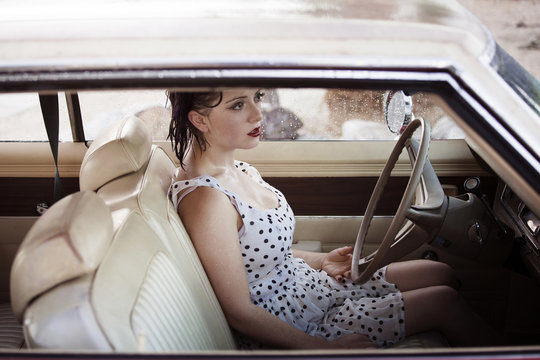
273 295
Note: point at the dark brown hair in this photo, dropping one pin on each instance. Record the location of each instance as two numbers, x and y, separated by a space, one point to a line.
181 130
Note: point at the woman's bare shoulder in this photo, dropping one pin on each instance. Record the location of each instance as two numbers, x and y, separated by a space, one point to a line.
204 198
208 215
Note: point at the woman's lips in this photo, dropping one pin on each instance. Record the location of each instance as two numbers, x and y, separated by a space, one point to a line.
255 132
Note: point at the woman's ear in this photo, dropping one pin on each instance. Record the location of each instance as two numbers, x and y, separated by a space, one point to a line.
198 120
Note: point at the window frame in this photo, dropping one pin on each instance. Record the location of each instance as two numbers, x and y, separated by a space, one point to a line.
488 132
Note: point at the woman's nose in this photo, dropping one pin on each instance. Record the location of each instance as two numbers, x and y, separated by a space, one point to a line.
256 114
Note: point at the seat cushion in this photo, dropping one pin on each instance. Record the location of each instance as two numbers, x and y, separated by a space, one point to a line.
72 235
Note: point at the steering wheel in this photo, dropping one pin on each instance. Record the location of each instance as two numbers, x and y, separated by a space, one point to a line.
425 219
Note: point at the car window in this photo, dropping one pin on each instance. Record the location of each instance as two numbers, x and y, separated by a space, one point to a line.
101 108
289 114
342 114
21 118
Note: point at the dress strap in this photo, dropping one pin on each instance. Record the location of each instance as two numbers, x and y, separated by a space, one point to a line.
179 189
176 198
250 170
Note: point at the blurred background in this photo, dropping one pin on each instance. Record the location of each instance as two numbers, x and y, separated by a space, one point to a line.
515 24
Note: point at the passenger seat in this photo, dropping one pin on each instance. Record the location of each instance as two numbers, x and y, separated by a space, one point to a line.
115 270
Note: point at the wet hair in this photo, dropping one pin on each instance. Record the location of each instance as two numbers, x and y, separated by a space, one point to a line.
181 130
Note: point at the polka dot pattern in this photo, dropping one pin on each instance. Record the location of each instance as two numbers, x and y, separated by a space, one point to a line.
308 299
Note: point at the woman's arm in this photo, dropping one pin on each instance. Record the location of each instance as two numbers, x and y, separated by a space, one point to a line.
313 259
211 222
336 263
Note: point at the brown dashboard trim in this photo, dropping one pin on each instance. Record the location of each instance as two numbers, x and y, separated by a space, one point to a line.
350 196
323 196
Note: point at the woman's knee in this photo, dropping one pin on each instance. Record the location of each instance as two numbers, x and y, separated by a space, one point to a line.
443 294
444 274
430 308
416 274
440 302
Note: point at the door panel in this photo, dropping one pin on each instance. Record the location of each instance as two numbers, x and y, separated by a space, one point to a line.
337 231
13 230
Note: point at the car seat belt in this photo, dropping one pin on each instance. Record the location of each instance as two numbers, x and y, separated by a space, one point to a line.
49 109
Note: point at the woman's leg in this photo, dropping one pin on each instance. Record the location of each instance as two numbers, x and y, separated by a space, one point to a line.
432 303
416 274
442 308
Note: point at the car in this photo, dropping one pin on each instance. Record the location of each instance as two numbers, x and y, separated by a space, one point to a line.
95 260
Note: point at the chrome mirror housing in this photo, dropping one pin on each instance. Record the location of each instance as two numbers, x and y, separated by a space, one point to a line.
397 111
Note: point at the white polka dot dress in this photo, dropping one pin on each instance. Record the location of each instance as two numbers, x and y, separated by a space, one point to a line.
308 299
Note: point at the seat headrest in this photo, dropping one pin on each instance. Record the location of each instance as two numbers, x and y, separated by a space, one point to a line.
120 149
67 241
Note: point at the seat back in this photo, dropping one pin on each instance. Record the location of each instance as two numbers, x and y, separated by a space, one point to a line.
146 190
149 290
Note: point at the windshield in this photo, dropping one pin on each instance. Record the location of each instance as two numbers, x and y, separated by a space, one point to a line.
521 81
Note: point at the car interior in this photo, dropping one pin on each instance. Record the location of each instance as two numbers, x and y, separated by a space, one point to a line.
110 266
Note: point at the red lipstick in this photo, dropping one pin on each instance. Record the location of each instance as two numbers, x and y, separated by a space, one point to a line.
255 132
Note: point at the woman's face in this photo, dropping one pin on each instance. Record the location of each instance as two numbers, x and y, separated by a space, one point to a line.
236 122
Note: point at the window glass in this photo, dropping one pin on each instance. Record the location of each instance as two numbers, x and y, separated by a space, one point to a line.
289 114
101 108
21 118
340 114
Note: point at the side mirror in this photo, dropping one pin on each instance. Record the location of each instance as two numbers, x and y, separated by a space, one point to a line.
397 111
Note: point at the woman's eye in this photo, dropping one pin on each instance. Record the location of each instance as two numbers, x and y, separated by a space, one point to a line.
238 105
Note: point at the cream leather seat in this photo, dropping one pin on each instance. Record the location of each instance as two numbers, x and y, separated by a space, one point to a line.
116 271
140 181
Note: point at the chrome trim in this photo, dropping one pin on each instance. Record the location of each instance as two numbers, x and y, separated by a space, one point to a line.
222 62
62 80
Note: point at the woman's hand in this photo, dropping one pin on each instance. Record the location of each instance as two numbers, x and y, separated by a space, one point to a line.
337 263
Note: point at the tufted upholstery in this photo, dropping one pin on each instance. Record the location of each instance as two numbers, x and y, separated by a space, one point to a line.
120 149
138 297
147 291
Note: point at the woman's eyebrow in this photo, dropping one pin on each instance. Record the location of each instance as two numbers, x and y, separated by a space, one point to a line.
236 98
